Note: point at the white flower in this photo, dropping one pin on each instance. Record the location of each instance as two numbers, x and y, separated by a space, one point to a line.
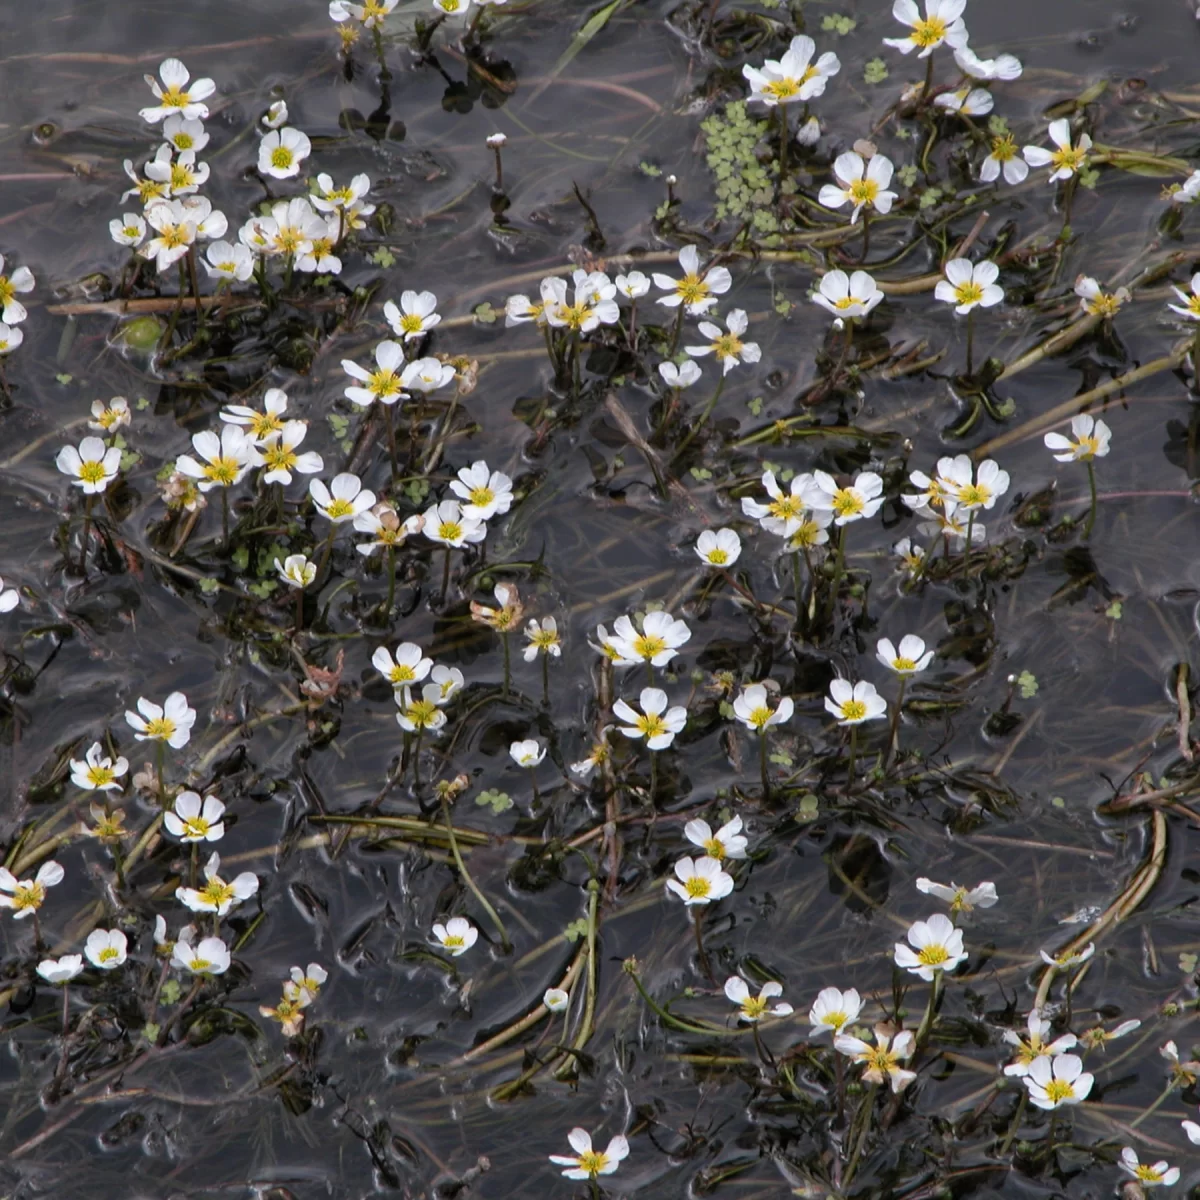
458 935
1061 1080
111 416
855 502
1095 301
1067 959
1099 1036
700 881
1068 159
882 1061
942 23
952 523
26 896
680 376
175 98
542 637
720 548
281 152
485 493
106 948
93 466
727 346
959 898
753 709
209 223
448 681
633 286
217 895
972 490
296 570
175 233
194 820
280 458
308 981
847 295
223 260
938 946
1004 66
289 230
10 338
371 13
260 425
1188 191
911 556
446 523
833 1010
657 723
968 102
1191 301
784 511
209 956
968 284
343 499
589 1163
422 714
854 704
60 970
97 772
416 315
495 140
427 375
1160 1174
183 135
1091 440
794 77
12 311
1192 1130
382 384
698 290
408 665
1035 1046
519 309
593 302
172 723
130 230
9 598
754 1008
863 185
528 753
386 529
657 644
227 458
1004 156
727 842
182 176
319 255
556 1000
911 657
276 115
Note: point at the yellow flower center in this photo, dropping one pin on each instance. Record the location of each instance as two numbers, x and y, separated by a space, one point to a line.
481 497
422 713
321 247
339 508
278 458
263 424
174 236
782 89
1004 149
172 97
929 32
1103 305
450 531
217 892
183 141
593 1162
879 1058
91 472
160 727
1087 448
7 290
691 289
110 826
1147 1174
402 673
383 382
1193 304
728 345
373 10
1059 1090
453 939
786 508
806 535
863 191
99 776
847 502
718 557
108 954
853 710
652 725
648 646
715 848
200 964
754 1007
903 664
974 495
1069 158
182 176
411 323
281 158
288 239
150 189
544 639
574 315
698 887
196 827
835 1020
760 717
969 292
28 896
223 471
846 302
932 956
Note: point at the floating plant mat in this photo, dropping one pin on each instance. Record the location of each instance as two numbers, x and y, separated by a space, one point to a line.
553 816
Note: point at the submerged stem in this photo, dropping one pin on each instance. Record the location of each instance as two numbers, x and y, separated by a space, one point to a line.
1087 529
485 904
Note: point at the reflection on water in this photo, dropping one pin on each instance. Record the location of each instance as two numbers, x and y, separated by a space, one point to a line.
380 1098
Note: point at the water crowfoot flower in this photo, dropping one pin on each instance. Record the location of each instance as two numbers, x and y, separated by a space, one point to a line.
9 598
1067 160
172 723
1004 156
698 290
60 970
720 548
97 772
194 820
12 311
427 375
848 296
130 230
556 1000
25 896
794 77
754 1008
174 97
753 709
10 338
382 384
92 467
833 1010
1036 1045
863 185
415 317
726 842
1159 1174
296 571
589 1163
1091 440
209 956
942 23
728 346
218 896
959 898
529 753
542 638
1004 66
226 458
106 948
419 715
969 284
657 643
681 376
1068 959
408 665
485 493
934 945
259 425
852 704
657 723
1058 1081
700 881
457 935
909 659
882 1060
855 502
967 102
282 151
343 500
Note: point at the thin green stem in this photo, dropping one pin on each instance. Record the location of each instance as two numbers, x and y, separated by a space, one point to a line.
507 663
88 501
971 342
783 143
700 422
545 679
446 577
701 953
1087 529
391 592
853 755
894 734
839 566
653 775
484 903
966 574
926 1025
160 755
762 765
225 517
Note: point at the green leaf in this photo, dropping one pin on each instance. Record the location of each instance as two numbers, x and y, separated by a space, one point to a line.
485 314
151 1032
576 930
1027 685
171 992
875 71
383 257
650 169
498 802
1113 611
209 586
64 379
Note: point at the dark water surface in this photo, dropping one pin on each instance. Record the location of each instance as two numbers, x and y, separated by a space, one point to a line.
370 1101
